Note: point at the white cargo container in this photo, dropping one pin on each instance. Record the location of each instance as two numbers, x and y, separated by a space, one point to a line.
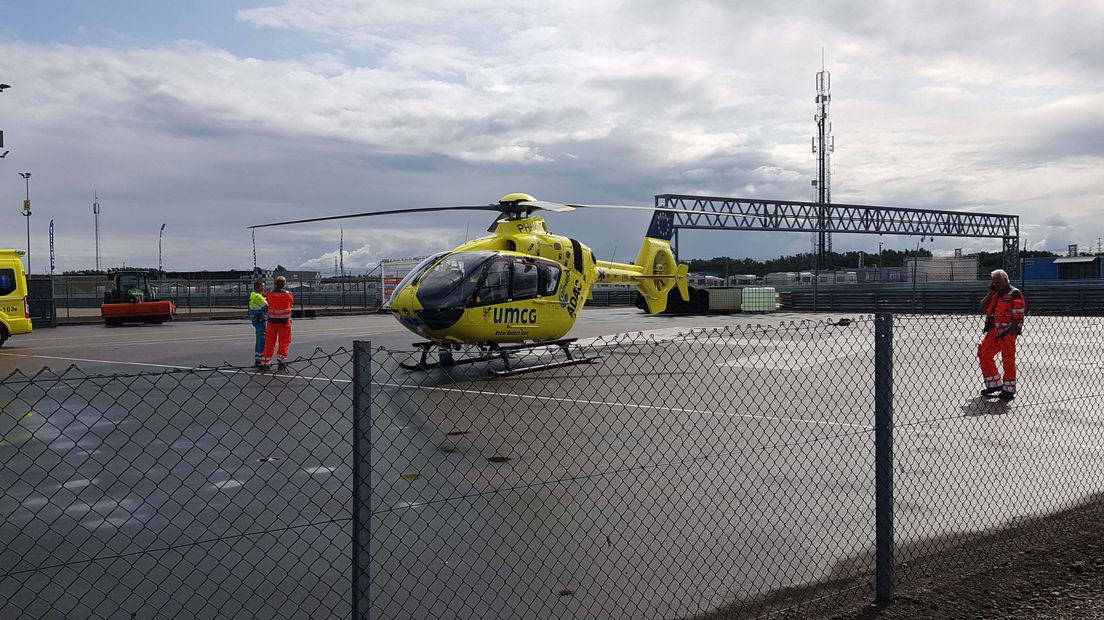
780 277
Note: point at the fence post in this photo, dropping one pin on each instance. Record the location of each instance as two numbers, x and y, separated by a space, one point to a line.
883 456
362 478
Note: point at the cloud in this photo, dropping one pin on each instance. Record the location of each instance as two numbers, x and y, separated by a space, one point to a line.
982 106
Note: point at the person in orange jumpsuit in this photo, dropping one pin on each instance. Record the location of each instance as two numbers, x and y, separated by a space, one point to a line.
1004 316
278 332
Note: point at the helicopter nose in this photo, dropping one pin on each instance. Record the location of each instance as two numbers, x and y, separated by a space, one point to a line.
403 305
411 312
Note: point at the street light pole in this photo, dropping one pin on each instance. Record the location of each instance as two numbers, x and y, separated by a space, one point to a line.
160 235
881 274
27 214
3 87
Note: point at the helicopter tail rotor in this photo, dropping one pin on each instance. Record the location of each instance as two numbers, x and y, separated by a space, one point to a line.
660 273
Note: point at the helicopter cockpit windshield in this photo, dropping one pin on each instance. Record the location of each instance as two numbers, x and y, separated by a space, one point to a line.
452 282
416 273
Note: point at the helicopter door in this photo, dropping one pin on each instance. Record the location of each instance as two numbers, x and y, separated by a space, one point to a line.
525 280
496 283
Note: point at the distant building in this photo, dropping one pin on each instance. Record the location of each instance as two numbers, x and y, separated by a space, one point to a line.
236 274
704 280
941 269
744 279
1064 268
1040 269
297 276
1079 267
232 274
780 278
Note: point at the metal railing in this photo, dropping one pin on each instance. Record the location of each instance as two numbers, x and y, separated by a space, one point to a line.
77 299
1084 296
723 473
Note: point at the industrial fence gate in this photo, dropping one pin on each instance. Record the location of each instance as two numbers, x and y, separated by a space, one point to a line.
723 473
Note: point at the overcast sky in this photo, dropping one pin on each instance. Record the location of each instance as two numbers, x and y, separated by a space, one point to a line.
210 116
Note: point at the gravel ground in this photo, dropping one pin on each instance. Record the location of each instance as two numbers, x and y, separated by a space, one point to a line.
1048 568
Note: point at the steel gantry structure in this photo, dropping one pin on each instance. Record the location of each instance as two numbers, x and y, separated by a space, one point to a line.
721 213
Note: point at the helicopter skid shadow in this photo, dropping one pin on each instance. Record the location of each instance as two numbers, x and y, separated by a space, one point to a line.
980 405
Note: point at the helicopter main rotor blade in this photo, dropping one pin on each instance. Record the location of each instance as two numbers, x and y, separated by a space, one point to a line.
545 205
488 207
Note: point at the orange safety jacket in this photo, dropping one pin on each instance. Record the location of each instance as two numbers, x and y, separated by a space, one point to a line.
1005 310
280 303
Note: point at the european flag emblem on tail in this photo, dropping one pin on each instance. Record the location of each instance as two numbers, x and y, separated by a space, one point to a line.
662 226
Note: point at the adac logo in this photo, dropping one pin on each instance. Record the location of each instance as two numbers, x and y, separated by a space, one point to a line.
573 302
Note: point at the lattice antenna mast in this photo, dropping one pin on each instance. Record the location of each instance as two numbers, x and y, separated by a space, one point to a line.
341 252
96 224
823 146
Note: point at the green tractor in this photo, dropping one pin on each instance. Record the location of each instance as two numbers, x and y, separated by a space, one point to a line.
133 299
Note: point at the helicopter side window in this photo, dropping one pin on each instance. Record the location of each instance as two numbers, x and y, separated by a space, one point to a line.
549 278
525 280
496 283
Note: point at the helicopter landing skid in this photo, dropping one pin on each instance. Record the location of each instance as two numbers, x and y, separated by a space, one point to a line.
509 370
446 360
444 357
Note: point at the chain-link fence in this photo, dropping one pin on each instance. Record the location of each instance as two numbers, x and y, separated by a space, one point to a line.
205 493
724 473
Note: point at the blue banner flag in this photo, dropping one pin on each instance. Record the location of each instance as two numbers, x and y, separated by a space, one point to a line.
52 265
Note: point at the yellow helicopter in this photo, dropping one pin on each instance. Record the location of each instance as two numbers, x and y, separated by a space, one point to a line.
521 286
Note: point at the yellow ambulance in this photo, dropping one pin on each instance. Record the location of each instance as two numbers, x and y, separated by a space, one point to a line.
15 313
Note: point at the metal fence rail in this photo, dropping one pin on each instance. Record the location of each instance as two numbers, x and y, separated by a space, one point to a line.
727 473
77 299
1086 297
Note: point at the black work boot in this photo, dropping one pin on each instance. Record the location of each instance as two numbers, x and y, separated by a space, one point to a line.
1005 395
281 366
992 391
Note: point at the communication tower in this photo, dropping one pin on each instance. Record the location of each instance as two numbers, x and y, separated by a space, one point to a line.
823 146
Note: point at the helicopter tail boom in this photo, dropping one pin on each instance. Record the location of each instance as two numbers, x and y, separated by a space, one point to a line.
654 273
